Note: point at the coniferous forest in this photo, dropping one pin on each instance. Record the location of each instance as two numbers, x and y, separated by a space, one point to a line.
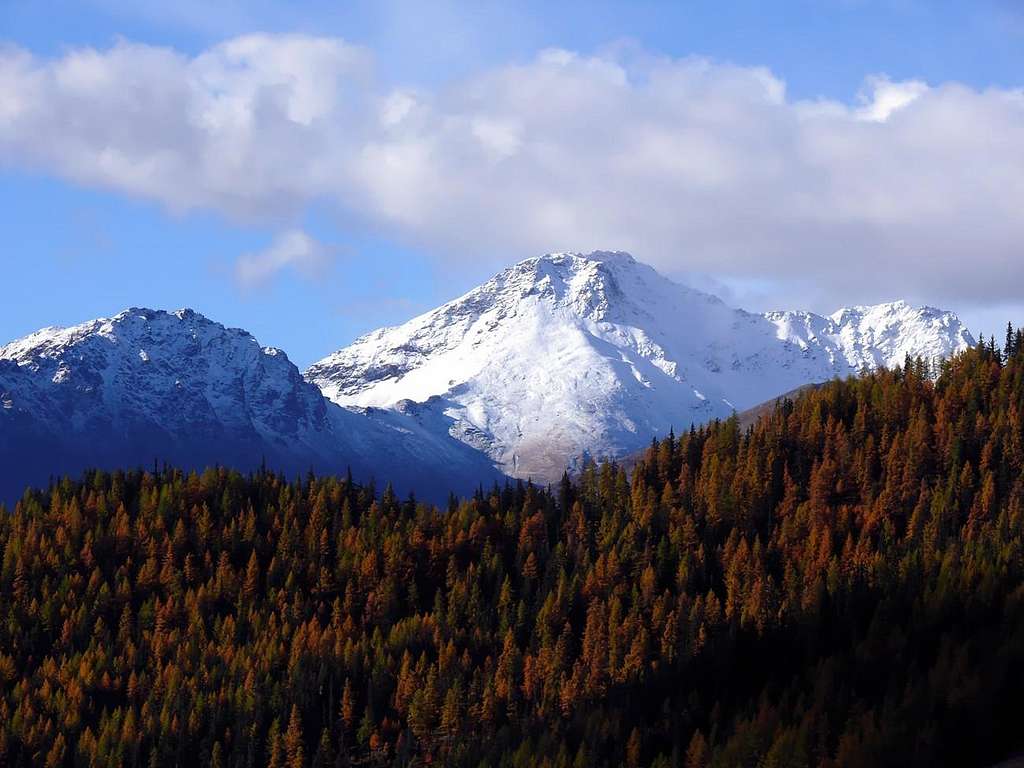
838 585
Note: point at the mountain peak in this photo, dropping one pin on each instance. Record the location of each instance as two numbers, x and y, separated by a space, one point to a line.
882 309
599 257
147 313
150 384
566 265
897 308
572 354
131 327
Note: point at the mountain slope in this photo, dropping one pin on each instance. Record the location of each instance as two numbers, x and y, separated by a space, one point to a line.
150 385
569 355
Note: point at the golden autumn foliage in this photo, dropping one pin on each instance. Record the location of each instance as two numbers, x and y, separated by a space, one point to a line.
838 585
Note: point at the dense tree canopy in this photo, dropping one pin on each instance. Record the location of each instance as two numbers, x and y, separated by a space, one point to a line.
839 585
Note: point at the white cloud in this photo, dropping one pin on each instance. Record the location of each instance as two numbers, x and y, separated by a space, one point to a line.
695 166
886 97
293 249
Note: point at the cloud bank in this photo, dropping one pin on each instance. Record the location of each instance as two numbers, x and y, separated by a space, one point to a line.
690 164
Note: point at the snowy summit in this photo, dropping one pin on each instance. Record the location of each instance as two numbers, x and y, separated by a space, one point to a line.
571 355
148 385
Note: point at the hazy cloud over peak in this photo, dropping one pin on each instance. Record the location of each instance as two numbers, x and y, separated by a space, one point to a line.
694 165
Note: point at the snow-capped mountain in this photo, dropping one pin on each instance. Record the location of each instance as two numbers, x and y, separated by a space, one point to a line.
150 385
572 355
552 360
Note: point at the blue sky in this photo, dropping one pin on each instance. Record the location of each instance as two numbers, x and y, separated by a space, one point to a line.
87 236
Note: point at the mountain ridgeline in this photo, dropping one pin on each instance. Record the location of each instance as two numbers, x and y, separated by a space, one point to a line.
572 356
554 360
838 585
150 386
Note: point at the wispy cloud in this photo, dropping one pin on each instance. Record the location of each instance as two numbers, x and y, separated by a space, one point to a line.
293 249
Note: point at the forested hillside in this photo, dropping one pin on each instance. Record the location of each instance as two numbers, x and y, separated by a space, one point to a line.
839 585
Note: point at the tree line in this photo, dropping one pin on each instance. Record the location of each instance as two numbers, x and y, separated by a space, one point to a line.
837 585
